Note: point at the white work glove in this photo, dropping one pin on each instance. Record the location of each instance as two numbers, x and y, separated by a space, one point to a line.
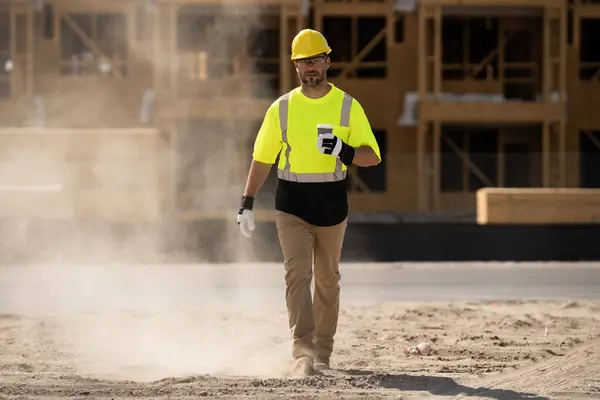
245 217
328 143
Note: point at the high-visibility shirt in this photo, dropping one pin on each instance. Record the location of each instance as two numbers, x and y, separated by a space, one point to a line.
311 185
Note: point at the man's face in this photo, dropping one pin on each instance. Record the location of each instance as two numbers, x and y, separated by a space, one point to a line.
312 71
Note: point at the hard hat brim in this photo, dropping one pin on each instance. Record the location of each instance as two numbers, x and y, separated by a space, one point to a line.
301 56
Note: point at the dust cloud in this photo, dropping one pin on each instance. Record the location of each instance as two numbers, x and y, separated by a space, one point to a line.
74 179
87 290
149 322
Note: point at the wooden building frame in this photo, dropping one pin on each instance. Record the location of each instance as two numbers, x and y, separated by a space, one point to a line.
413 64
434 111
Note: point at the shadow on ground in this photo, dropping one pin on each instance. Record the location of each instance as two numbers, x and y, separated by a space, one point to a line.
442 386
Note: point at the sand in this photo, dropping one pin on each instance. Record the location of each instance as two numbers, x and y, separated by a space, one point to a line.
481 350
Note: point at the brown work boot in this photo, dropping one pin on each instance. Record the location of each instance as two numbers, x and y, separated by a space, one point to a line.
303 367
322 363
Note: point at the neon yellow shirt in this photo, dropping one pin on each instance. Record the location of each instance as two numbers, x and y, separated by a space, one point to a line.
304 116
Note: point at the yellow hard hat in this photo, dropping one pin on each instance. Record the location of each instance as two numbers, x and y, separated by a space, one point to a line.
309 43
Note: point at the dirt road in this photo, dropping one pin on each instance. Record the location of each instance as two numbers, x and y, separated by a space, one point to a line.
164 332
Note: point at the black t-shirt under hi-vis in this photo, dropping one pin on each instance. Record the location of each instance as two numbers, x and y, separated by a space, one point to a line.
319 204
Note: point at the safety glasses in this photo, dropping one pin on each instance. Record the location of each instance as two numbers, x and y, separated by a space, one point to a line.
314 62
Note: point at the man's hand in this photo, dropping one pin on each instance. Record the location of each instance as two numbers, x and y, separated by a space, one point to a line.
245 217
328 143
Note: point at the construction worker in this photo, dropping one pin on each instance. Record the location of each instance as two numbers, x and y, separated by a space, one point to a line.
318 131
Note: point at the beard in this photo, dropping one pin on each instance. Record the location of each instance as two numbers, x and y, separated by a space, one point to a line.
312 80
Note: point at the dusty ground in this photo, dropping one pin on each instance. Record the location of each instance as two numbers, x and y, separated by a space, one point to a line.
482 350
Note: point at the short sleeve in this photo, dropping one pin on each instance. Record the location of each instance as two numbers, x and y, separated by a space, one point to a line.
361 133
268 142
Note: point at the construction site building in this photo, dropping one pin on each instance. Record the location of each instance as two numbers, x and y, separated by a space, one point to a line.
154 104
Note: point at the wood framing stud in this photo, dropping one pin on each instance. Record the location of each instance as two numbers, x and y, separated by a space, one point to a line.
437 165
284 54
437 52
546 64
562 153
30 49
421 143
158 58
546 154
173 12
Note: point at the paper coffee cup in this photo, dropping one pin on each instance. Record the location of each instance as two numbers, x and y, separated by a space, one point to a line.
324 128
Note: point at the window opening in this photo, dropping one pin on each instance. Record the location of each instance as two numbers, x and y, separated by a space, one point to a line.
589 167
520 78
348 36
589 53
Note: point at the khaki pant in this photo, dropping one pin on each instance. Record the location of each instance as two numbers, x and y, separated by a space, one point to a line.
312 323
